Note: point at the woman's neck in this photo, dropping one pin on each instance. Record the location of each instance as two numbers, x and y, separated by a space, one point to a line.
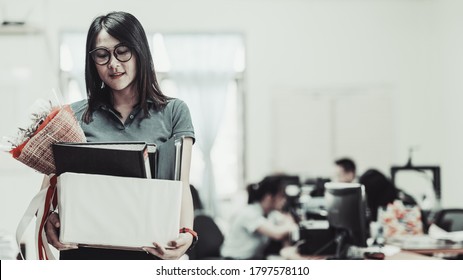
124 98
124 101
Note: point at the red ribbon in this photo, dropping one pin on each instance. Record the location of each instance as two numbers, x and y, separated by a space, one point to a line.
50 200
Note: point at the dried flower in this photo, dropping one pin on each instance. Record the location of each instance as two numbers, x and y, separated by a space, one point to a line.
37 118
33 145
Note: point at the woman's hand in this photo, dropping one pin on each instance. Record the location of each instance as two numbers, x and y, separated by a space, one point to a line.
52 229
177 249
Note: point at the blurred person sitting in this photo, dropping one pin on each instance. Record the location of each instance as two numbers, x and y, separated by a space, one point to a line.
258 222
345 170
380 191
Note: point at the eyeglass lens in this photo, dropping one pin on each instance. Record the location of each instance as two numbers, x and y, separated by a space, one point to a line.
102 56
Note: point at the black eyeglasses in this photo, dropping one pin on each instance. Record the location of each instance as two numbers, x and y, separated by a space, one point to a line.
102 56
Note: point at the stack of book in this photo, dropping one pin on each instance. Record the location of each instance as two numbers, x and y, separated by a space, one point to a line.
125 159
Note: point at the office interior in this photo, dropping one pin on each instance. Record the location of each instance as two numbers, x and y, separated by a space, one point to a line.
308 82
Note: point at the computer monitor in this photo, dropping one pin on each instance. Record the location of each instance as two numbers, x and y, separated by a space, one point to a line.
421 182
318 186
346 207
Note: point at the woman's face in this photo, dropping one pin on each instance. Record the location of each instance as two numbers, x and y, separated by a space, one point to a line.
117 75
279 201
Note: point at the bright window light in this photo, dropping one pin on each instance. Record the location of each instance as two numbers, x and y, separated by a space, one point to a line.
66 63
160 57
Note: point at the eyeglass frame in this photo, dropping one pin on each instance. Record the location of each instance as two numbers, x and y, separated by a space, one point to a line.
113 53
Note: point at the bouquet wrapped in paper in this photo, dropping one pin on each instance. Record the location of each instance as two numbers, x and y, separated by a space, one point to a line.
33 146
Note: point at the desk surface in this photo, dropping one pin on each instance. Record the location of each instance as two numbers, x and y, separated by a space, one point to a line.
290 253
426 245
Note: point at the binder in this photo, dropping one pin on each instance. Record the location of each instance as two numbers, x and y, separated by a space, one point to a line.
126 159
169 159
153 159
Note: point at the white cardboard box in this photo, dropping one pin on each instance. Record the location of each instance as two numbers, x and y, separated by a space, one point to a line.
118 212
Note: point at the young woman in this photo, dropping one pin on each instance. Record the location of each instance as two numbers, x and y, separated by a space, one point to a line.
259 221
125 103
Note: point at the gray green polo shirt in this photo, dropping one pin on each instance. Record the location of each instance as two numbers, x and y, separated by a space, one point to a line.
174 121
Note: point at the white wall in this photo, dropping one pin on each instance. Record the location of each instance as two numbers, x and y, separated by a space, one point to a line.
413 48
449 74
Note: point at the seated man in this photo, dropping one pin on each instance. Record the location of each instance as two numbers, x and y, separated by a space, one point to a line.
345 170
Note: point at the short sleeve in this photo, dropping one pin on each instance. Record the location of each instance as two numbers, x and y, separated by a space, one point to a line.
276 217
182 124
253 225
251 220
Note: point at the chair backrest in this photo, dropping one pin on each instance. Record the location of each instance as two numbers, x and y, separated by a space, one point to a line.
197 204
210 239
449 219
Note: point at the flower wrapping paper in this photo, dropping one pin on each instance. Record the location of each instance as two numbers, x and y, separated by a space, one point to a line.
59 126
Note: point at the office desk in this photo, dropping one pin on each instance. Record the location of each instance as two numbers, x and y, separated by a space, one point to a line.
457 249
290 253
426 245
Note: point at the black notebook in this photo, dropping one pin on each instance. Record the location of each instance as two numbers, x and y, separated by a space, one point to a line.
126 159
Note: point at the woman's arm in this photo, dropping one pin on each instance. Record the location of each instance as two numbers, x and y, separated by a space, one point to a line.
187 212
183 242
277 231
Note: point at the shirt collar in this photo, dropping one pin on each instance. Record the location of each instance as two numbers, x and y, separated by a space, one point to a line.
105 106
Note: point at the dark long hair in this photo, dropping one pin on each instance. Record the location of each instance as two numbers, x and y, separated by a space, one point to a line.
272 185
127 29
380 191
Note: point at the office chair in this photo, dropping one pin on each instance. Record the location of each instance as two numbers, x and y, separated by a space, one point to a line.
210 239
197 204
210 236
449 219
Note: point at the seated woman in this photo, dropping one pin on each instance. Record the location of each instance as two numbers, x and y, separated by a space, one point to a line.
379 191
258 222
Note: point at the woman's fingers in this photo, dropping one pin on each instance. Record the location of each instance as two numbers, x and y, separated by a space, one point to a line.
157 250
182 240
177 249
51 231
54 220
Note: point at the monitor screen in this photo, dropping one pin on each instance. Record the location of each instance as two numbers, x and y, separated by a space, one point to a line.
346 207
419 185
